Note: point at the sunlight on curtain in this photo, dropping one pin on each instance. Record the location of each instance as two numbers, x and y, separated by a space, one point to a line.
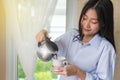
24 19
32 16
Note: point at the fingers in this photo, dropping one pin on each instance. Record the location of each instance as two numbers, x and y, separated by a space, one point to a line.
59 70
66 71
59 73
41 36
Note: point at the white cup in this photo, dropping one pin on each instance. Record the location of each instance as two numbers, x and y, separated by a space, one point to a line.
59 61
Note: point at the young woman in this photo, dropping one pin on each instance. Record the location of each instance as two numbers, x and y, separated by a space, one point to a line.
90 50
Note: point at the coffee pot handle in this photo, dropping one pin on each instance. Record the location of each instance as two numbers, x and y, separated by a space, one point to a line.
65 63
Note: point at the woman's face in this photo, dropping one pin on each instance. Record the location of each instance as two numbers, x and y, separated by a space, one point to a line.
90 24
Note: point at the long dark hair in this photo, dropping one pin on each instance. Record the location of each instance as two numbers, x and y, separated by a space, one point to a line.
104 9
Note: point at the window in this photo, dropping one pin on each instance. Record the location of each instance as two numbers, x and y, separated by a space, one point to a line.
56 28
58 23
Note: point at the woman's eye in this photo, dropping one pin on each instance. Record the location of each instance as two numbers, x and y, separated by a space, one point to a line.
94 22
84 18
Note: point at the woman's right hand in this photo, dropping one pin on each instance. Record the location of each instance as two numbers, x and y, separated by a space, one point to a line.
41 35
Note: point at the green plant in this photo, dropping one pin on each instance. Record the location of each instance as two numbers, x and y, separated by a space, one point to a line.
21 74
42 71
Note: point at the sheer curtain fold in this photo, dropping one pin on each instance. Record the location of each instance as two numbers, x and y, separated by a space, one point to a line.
24 19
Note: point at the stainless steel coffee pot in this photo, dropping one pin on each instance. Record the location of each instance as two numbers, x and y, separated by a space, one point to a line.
46 49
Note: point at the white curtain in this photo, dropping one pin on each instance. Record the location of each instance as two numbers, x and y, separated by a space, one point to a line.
24 18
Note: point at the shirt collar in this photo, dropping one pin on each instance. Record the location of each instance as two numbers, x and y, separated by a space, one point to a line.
95 41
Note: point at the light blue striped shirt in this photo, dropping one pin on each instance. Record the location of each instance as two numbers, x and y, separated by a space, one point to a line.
97 57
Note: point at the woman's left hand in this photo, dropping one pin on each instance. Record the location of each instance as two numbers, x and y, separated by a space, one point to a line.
69 70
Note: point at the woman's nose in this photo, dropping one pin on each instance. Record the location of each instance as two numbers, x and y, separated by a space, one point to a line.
87 24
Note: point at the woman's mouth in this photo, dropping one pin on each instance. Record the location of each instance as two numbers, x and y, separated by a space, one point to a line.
86 29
